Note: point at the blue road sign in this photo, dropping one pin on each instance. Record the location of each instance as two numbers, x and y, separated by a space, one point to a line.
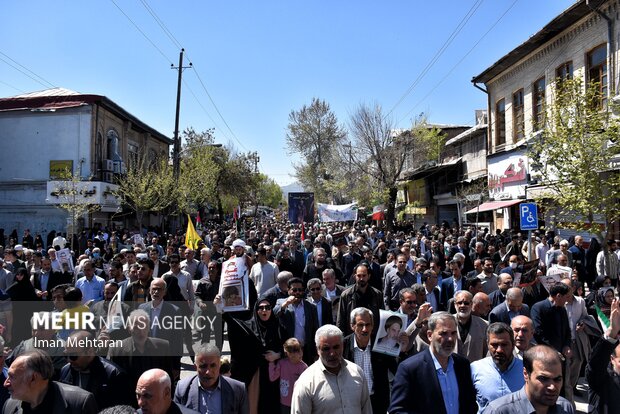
529 216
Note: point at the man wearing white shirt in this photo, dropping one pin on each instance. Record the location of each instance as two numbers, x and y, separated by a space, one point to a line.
264 272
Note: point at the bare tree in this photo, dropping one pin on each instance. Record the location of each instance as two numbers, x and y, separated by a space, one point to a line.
379 151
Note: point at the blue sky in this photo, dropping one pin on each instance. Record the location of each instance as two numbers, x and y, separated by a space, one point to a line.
259 60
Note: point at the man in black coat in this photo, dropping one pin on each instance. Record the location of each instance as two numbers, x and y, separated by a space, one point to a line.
361 294
416 386
304 330
162 314
46 279
357 348
31 388
105 380
139 353
323 306
551 325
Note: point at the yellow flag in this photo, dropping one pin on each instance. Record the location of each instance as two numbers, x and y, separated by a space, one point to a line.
191 237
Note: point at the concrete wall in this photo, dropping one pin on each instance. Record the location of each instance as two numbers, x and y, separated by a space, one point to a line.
30 140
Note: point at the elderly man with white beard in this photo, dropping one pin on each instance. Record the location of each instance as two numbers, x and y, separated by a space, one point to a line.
471 328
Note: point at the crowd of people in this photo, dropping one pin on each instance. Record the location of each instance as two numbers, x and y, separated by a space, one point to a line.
339 318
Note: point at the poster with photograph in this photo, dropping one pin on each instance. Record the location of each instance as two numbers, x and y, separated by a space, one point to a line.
65 259
234 289
301 207
563 271
527 274
549 280
391 325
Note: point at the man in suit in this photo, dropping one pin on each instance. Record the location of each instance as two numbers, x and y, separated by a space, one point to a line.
417 388
472 342
332 291
106 381
162 315
513 306
452 284
160 267
154 394
29 382
139 352
395 281
47 279
297 257
357 348
323 306
299 318
504 282
351 259
429 279
551 325
233 394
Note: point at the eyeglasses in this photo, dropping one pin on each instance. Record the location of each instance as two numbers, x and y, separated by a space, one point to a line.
463 302
409 302
297 289
264 307
315 289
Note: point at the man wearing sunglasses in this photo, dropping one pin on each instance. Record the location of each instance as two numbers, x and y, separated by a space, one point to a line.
299 318
323 306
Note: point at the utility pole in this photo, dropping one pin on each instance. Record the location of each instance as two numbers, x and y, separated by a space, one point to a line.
176 149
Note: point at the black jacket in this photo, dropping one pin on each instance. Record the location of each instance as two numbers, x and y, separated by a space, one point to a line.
601 378
106 381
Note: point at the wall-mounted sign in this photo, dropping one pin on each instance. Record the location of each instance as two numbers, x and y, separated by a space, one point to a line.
61 169
507 176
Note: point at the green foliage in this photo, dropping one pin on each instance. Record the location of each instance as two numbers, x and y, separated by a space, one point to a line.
70 192
574 155
268 192
430 141
313 133
147 186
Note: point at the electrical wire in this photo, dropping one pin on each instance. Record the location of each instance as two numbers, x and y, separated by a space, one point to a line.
42 81
143 34
174 40
439 53
460 60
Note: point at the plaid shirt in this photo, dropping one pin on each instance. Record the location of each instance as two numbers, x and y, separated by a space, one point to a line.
362 360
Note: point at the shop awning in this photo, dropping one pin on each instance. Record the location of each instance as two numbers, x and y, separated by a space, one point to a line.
493 205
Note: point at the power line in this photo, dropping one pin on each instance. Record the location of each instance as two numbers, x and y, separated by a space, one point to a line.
41 80
204 109
11 86
440 52
174 40
141 32
218 111
461 60
161 24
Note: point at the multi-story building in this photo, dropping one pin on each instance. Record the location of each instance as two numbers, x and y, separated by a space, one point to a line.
46 134
580 42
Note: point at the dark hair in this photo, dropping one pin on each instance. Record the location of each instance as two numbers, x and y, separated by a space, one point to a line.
147 262
262 251
498 328
363 263
542 353
293 280
72 296
111 283
427 273
559 289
